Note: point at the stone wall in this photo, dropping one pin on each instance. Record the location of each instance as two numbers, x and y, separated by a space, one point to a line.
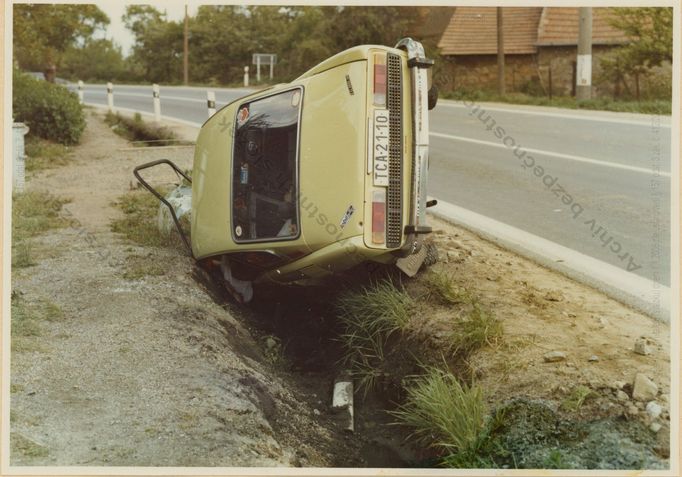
530 74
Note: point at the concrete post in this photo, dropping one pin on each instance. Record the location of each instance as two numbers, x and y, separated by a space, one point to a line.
583 88
210 102
80 91
258 68
19 130
246 76
110 97
271 67
157 102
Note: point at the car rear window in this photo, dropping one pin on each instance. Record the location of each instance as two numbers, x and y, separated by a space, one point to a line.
264 168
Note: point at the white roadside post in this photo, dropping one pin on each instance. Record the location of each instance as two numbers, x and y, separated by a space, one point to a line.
80 91
258 68
110 97
272 64
210 102
19 130
157 102
246 76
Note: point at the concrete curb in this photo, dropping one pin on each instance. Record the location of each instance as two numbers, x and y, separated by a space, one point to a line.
644 295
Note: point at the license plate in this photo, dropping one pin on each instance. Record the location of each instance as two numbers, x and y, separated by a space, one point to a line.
380 149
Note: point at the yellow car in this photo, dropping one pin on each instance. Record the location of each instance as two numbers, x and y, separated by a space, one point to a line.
302 180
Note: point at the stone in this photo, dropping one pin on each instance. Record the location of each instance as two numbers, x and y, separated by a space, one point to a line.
316 412
643 388
593 358
642 347
554 295
554 356
655 427
342 402
653 409
622 396
632 410
270 343
665 398
619 384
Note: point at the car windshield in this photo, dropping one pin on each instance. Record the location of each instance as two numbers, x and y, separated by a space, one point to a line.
264 178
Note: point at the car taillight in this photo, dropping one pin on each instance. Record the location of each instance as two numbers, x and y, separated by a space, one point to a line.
380 79
379 216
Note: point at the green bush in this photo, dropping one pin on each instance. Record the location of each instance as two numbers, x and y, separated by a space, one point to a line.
51 111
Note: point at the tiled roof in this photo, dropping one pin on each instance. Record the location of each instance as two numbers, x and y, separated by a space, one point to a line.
473 31
559 26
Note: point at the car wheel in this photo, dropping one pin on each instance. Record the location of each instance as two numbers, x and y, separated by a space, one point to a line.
431 254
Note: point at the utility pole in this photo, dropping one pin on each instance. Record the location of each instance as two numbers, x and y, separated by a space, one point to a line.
583 75
500 53
186 50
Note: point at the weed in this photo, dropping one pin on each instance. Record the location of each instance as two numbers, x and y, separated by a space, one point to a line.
555 460
444 414
604 104
35 212
22 255
138 131
139 223
369 317
479 328
15 388
445 289
25 321
140 266
43 154
577 398
26 446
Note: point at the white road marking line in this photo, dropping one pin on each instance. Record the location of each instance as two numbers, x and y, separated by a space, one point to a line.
644 294
163 97
577 117
146 113
558 155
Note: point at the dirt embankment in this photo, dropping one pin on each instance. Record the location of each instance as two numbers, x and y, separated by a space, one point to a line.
147 366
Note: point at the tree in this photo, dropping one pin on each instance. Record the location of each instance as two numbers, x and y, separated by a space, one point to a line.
158 45
43 33
651 33
97 60
651 29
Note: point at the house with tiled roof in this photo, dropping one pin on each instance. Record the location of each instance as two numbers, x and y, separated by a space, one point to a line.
537 40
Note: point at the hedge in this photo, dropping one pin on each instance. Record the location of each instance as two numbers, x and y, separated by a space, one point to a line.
51 111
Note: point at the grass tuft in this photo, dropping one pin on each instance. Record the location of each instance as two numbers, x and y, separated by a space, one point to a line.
369 317
139 223
444 414
43 154
443 286
22 255
35 212
140 132
577 398
478 329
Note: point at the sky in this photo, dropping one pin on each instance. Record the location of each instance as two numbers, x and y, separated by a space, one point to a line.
117 31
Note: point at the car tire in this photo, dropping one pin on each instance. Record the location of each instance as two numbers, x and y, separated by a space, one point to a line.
431 254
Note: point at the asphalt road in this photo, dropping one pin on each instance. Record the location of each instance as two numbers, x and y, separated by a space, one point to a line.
595 182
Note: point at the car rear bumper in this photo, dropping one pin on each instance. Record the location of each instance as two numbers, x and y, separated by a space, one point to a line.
415 224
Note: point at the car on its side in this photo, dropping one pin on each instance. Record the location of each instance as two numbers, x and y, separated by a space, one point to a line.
302 180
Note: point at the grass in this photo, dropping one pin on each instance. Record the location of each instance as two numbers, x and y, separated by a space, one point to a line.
26 321
442 285
43 154
140 132
369 318
479 328
139 222
26 446
445 414
577 398
603 104
35 212
140 266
